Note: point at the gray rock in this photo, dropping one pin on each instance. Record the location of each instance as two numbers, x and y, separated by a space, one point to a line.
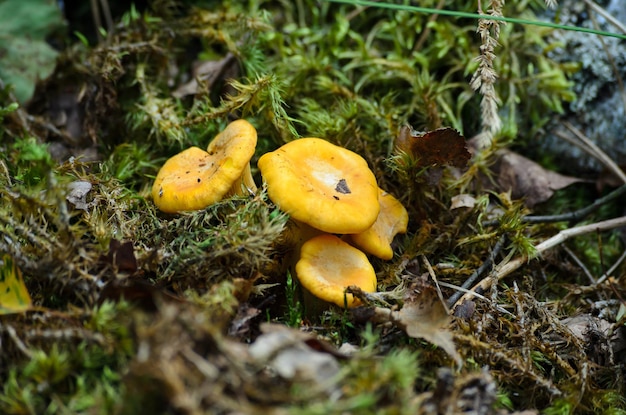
599 108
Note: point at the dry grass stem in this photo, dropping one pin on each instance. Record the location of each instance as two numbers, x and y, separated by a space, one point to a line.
484 78
551 4
609 18
595 151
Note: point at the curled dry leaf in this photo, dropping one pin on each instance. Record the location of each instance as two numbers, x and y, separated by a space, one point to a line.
121 256
207 73
443 146
295 357
527 179
462 201
77 194
423 316
14 297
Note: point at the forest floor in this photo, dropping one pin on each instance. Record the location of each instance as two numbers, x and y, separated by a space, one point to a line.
504 291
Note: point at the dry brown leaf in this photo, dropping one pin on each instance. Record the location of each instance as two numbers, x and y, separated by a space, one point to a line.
424 317
207 73
527 179
443 146
121 256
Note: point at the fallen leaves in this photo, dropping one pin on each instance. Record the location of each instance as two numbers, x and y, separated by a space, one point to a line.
295 357
527 179
426 318
14 297
443 146
422 316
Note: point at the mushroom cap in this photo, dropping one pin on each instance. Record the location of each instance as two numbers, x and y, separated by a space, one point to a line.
321 184
194 179
328 265
392 219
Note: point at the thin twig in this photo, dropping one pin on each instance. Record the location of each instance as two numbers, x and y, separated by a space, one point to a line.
485 266
572 216
612 269
432 274
577 143
618 25
426 32
505 267
606 160
580 264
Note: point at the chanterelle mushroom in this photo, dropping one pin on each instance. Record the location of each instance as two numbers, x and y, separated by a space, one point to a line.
321 184
392 219
328 265
194 179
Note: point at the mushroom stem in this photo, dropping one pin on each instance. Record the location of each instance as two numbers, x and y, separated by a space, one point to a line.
244 185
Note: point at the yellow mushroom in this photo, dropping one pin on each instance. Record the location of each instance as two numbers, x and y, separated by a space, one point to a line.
392 219
236 144
328 265
194 179
323 185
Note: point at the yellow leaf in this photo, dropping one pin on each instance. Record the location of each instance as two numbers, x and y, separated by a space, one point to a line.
14 297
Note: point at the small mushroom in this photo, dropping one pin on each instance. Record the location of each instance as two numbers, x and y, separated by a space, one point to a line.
321 184
194 179
235 146
328 265
392 219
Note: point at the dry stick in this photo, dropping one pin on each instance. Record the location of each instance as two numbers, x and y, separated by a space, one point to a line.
580 264
487 265
420 42
575 142
431 271
609 56
606 15
597 151
575 215
505 268
612 269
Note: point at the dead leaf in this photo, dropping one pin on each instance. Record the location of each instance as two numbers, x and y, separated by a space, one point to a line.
288 353
14 297
240 325
424 317
121 256
77 196
207 72
527 179
443 146
462 201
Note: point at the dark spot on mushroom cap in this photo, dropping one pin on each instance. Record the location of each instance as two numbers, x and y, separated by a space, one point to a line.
199 180
342 187
336 198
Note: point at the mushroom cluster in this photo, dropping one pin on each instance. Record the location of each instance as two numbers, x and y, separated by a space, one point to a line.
329 192
332 189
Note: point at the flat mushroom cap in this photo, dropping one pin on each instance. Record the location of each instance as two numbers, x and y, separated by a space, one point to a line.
392 219
328 265
194 179
321 184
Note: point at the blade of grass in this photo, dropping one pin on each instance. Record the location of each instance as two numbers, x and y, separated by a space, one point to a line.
476 16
